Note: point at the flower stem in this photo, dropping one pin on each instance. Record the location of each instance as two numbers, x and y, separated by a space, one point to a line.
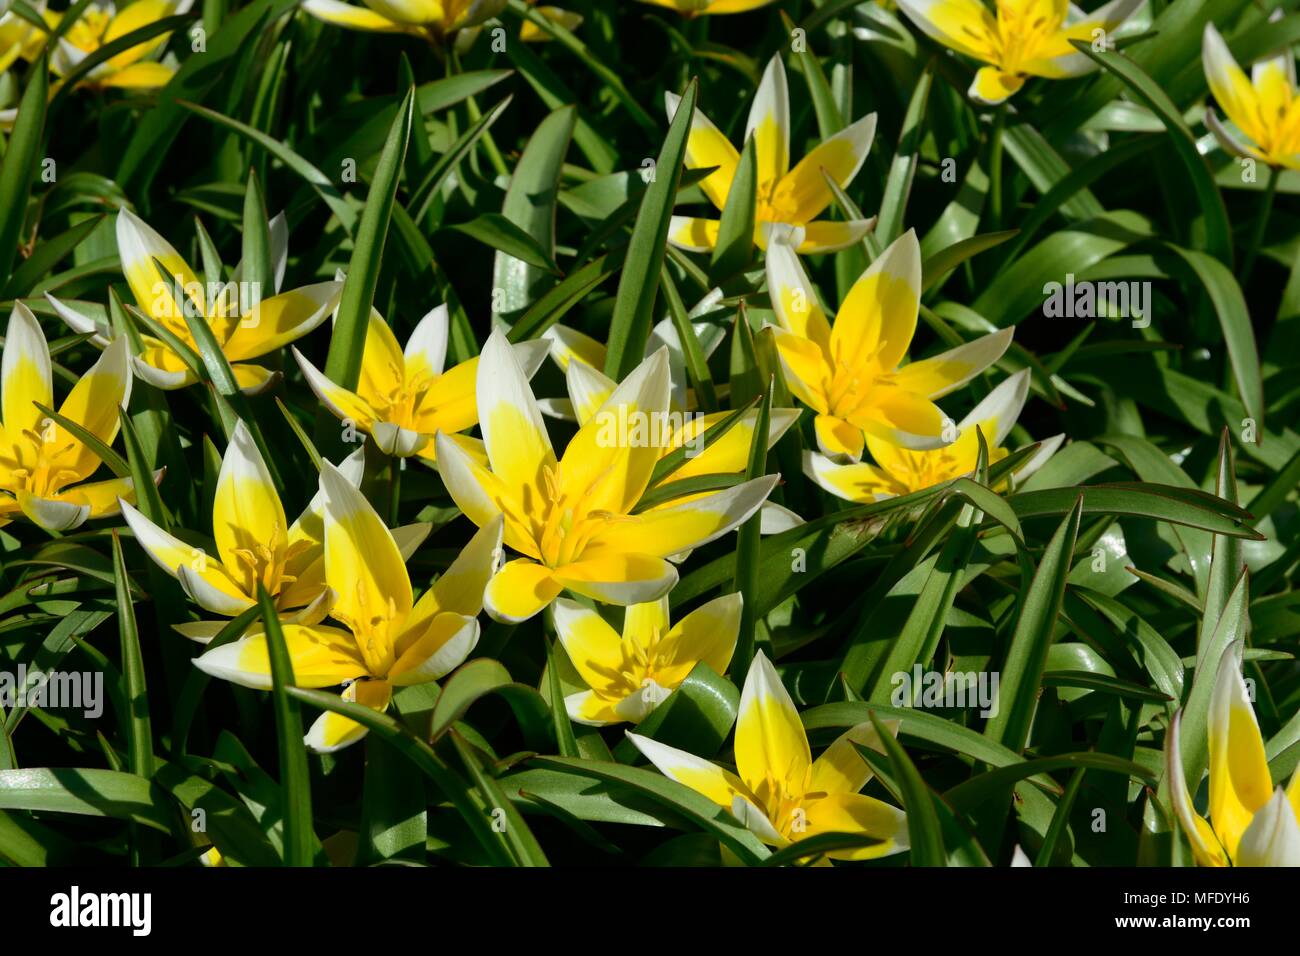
394 489
1261 223
995 169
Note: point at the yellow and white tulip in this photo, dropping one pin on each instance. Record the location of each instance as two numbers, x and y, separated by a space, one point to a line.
41 464
631 675
255 544
590 388
1251 822
242 332
778 791
404 396
783 195
850 373
573 518
1263 109
391 640
901 471
1018 38
99 25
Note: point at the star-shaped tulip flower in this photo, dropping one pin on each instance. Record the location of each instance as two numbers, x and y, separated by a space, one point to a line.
631 675
1251 822
1018 38
778 791
850 373
783 195
244 330
1263 109
702 8
391 640
255 544
900 471
590 388
433 20
98 25
41 464
573 517
404 397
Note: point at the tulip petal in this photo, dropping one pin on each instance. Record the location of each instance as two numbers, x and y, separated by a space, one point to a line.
794 298
860 815
519 590
247 517
1230 85
769 123
345 405
513 431
321 657
1273 837
689 524
480 494
440 649
805 368
966 26
365 568
770 739
138 245
877 319
838 440
426 349
331 732
993 87
859 482
937 376
1240 783
94 403
825 235
614 577
588 708
26 376
705 778
1200 835
693 234
804 191
840 768
351 16
608 463
282 319
706 146
567 345
588 389
707 634
53 514
592 645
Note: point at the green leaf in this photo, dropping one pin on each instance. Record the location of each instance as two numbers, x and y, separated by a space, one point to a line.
139 731
18 169
85 791
295 778
477 679
924 835
639 284
495 230
695 807
749 640
347 343
735 246
530 205
1022 671
1217 235
898 187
